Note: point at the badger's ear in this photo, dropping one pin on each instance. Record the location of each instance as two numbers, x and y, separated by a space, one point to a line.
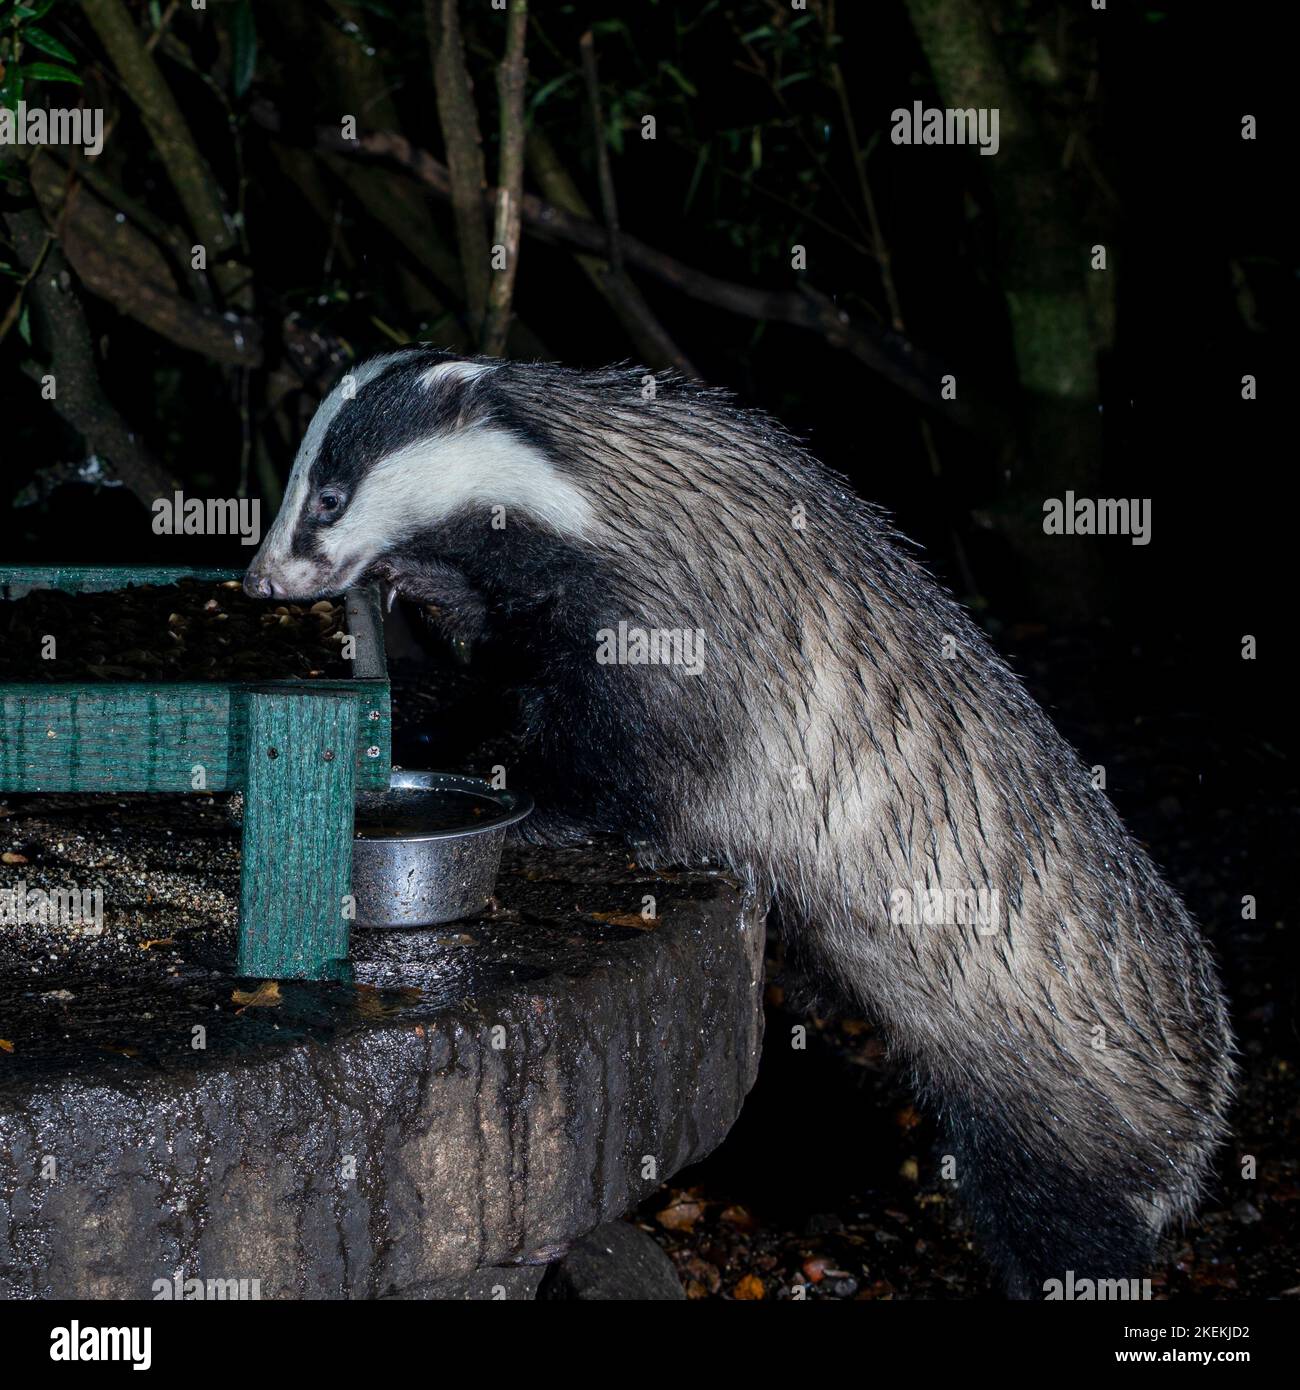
455 369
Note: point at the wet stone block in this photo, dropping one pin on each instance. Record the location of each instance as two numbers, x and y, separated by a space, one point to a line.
475 1095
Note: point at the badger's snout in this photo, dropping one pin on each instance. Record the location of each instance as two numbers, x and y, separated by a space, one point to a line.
293 581
259 586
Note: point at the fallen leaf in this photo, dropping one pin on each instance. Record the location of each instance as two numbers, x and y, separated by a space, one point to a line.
265 996
158 941
702 1275
9 857
625 919
6 1045
815 1269
739 1217
680 1215
375 1003
751 1287
882 1288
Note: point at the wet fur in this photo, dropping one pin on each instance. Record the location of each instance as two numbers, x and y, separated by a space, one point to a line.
825 651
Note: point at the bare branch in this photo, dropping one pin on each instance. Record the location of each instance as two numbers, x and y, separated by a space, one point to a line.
884 351
512 76
651 339
460 132
60 325
119 263
605 175
172 139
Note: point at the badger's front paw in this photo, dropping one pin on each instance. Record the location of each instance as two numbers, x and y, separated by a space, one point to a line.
448 602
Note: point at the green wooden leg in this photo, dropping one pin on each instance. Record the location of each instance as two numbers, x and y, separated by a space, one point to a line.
297 848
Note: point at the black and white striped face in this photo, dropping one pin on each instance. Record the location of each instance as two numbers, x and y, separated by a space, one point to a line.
404 444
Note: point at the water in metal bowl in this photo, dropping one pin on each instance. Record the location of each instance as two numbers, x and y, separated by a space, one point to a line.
427 850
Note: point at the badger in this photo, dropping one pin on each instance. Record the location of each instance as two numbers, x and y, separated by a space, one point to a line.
843 736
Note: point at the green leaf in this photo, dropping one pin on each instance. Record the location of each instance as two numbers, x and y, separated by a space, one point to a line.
679 77
700 161
49 72
243 38
25 324
47 43
548 88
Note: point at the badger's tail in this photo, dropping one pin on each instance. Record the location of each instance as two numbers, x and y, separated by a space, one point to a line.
1081 1072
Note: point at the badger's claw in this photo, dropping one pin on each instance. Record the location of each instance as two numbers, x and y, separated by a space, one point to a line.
385 576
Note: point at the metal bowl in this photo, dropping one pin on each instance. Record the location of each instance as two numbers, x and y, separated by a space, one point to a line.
429 876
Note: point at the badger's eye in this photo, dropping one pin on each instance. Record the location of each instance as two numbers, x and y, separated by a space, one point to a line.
329 502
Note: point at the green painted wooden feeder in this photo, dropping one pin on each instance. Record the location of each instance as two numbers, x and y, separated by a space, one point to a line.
299 751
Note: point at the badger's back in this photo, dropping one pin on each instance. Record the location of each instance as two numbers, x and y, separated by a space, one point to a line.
854 738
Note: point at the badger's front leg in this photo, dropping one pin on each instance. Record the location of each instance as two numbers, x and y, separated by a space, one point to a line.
449 601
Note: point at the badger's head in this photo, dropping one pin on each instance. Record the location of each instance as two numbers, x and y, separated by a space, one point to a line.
406 445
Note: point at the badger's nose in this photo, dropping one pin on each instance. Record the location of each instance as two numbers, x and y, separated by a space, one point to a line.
258 586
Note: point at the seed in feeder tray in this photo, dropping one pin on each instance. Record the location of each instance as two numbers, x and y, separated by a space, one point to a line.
119 635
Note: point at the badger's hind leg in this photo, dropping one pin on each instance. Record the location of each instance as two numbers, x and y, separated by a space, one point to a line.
1038 1211
1082 1101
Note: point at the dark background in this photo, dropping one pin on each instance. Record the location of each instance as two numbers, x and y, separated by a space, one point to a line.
1136 650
